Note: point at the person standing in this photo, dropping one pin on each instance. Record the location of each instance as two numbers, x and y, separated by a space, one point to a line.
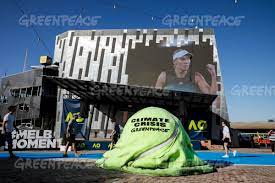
115 133
226 140
8 127
70 134
271 135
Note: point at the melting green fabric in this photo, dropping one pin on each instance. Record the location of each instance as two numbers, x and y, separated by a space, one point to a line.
154 142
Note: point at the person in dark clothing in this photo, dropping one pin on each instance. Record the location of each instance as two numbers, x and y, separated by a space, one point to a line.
70 135
115 133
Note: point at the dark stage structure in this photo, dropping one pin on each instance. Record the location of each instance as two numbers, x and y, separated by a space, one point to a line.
114 100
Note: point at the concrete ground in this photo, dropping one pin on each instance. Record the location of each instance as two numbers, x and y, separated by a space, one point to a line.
84 170
12 171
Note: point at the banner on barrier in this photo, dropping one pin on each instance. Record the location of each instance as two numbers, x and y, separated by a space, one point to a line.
96 145
34 139
71 106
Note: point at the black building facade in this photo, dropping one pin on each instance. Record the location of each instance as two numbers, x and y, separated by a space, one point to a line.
34 97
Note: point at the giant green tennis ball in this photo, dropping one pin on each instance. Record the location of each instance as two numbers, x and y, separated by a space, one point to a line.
154 142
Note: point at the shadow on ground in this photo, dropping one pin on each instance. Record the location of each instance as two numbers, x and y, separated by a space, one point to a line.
33 170
69 171
219 163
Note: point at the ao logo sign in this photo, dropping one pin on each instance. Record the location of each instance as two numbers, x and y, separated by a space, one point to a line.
201 125
70 116
96 145
101 146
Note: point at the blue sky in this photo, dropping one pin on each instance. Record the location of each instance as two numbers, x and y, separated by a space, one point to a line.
246 52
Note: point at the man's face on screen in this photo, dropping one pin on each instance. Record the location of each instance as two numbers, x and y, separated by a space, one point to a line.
182 63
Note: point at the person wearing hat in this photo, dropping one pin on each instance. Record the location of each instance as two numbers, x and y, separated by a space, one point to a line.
180 77
70 134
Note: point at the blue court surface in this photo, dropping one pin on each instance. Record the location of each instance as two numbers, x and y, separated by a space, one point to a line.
254 159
